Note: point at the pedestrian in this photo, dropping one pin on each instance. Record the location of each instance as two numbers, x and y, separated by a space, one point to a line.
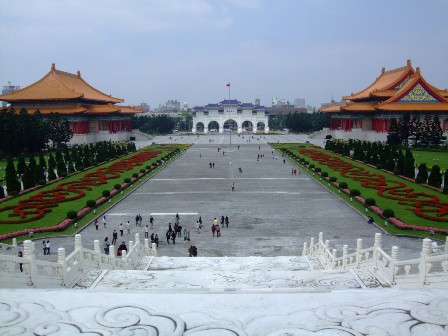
218 230
128 228
184 233
197 226
177 218
284 161
152 237
210 164
146 231
104 221
213 229
151 221
200 222
122 248
213 165
140 219
120 227
240 169
292 171
114 237
44 247
295 171
173 237
227 221
200 155
156 240
20 254
168 236
106 245
222 221
47 245
215 221
170 228
96 223
136 220
179 230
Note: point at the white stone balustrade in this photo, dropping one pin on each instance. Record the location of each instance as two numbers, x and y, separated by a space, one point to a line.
430 269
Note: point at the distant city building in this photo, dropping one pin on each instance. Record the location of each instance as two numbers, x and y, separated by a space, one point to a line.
279 102
7 89
144 107
171 106
286 109
230 115
185 106
257 102
299 102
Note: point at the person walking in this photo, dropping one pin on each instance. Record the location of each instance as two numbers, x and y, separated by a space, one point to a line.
218 230
213 229
136 220
146 231
156 240
128 228
44 247
197 226
170 228
151 221
20 254
168 236
173 237
227 221
222 221
120 227
47 245
152 237
106 245
96 224
114 237
200 222
104 221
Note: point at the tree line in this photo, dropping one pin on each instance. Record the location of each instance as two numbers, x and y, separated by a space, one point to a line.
415 131
60 163
303 122
31 133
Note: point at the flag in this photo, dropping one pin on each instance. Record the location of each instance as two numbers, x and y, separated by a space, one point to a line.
228 84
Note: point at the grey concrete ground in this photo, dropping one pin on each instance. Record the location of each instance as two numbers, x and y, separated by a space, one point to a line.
271 211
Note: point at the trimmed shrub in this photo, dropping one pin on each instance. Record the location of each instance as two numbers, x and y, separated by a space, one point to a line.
106 193
142 171
117 186
90 203
72 214
355 192
311 166
135 175
127 180
324 174
148 167
388 213
333 179
343 185
370 202
317 170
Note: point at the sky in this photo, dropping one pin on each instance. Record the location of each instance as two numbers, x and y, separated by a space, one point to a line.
188 50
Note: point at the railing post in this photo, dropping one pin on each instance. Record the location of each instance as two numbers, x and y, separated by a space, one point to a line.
97 249
334 254
446 245
30 267
344 256
112 256
154 248
321 237
312 246
358 252
78 248
426 252
393 260
376 246
124 258
305 248
63 263
147 246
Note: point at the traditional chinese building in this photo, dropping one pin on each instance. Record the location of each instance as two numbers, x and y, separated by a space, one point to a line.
366 115
243 116
93 115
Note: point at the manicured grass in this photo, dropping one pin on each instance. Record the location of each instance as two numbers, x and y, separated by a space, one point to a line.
59 213
403 212
431 158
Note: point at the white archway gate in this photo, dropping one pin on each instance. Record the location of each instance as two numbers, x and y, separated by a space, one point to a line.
230 110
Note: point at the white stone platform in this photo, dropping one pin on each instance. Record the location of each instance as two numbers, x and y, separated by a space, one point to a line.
257 296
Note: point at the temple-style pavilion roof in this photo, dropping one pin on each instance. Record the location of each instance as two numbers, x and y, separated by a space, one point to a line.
399 90
59 86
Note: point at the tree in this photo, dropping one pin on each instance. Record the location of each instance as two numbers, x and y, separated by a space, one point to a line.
393 137
59 131
2 192
435 177
27 178
51 167
436 131
422 175
401 162
12 184
403 126
445 182
21 165
416 130
409 168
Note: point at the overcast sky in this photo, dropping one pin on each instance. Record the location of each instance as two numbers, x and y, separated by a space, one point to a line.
155 50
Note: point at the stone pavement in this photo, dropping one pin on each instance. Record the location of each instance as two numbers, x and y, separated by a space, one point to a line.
272 213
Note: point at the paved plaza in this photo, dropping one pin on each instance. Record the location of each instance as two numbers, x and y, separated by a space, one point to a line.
271 212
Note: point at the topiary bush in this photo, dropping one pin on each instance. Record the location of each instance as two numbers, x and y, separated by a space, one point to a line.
117 186
343 185
317 170
90 203
72 214
142 171
311 166
355 192
324 174
388 213
370 202
106 193
127 180
333 179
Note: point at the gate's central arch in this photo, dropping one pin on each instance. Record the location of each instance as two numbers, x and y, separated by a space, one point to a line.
232 115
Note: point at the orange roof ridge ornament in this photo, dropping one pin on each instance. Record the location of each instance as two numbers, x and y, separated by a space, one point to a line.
417 70
409 63
383 70
53 67
78 73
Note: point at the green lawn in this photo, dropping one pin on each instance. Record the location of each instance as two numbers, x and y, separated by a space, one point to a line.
403 212
431 158
59 213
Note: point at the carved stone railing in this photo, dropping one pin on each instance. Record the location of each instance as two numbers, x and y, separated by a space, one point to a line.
6 248
66 271
430 269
